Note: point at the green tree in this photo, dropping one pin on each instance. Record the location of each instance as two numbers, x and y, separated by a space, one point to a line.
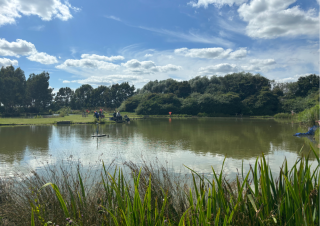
97 96
64 96
120 93
199 84
12 87
39 95
82 97
307 84
181 89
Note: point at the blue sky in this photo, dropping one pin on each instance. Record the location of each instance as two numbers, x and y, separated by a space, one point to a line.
105 42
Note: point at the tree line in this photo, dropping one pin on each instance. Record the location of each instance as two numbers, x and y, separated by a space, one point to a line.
34 95
232 94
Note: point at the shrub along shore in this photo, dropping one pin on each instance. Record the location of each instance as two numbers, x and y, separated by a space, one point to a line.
154 196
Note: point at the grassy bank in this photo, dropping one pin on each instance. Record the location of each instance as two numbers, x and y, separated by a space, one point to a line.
153 196
77 119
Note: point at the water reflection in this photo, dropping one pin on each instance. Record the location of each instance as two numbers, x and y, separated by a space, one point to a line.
15 141
198 143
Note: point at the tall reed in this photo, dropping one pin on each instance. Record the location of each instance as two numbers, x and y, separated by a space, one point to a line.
151 197
309 115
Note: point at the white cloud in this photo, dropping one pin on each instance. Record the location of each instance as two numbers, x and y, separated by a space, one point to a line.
108 79
113 18
23 48
238 54
45 9
150 55
18 48
223 68
217 3
7 62
293 78
43 58
87 63
65 81
102 58
260 65
272 19
212 53
148 67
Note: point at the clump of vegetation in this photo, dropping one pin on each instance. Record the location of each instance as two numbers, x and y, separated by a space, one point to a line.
38 116
309 116
153 196
283 115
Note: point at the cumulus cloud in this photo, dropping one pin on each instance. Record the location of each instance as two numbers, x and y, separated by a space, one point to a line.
217 3
223 68
18 48
148 67
272 19
212 53
102 58
87 63
259 65
238 54
45 9
23 48
43 58
7 62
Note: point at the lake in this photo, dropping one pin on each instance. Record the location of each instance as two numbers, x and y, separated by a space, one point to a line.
198 143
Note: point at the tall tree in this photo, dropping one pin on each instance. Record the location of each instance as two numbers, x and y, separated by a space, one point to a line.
82 97
64 96
12 87
38 92
120 93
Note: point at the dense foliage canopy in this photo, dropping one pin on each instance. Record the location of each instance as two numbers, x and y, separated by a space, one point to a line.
232 94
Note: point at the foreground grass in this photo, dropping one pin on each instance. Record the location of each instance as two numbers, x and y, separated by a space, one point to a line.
152 196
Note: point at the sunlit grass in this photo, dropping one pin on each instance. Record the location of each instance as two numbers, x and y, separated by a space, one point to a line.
72 118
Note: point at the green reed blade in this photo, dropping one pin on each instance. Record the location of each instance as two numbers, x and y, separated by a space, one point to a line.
317 157
113 217
216 221
73 203
181 222
59 196
209 206
253 203
82 189
231 215
32 218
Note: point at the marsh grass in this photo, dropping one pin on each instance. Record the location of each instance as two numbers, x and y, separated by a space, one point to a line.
309 116
284 116
148 194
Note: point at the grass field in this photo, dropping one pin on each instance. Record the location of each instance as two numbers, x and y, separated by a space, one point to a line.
42 121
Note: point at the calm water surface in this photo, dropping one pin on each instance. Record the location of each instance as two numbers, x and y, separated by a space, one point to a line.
197 143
